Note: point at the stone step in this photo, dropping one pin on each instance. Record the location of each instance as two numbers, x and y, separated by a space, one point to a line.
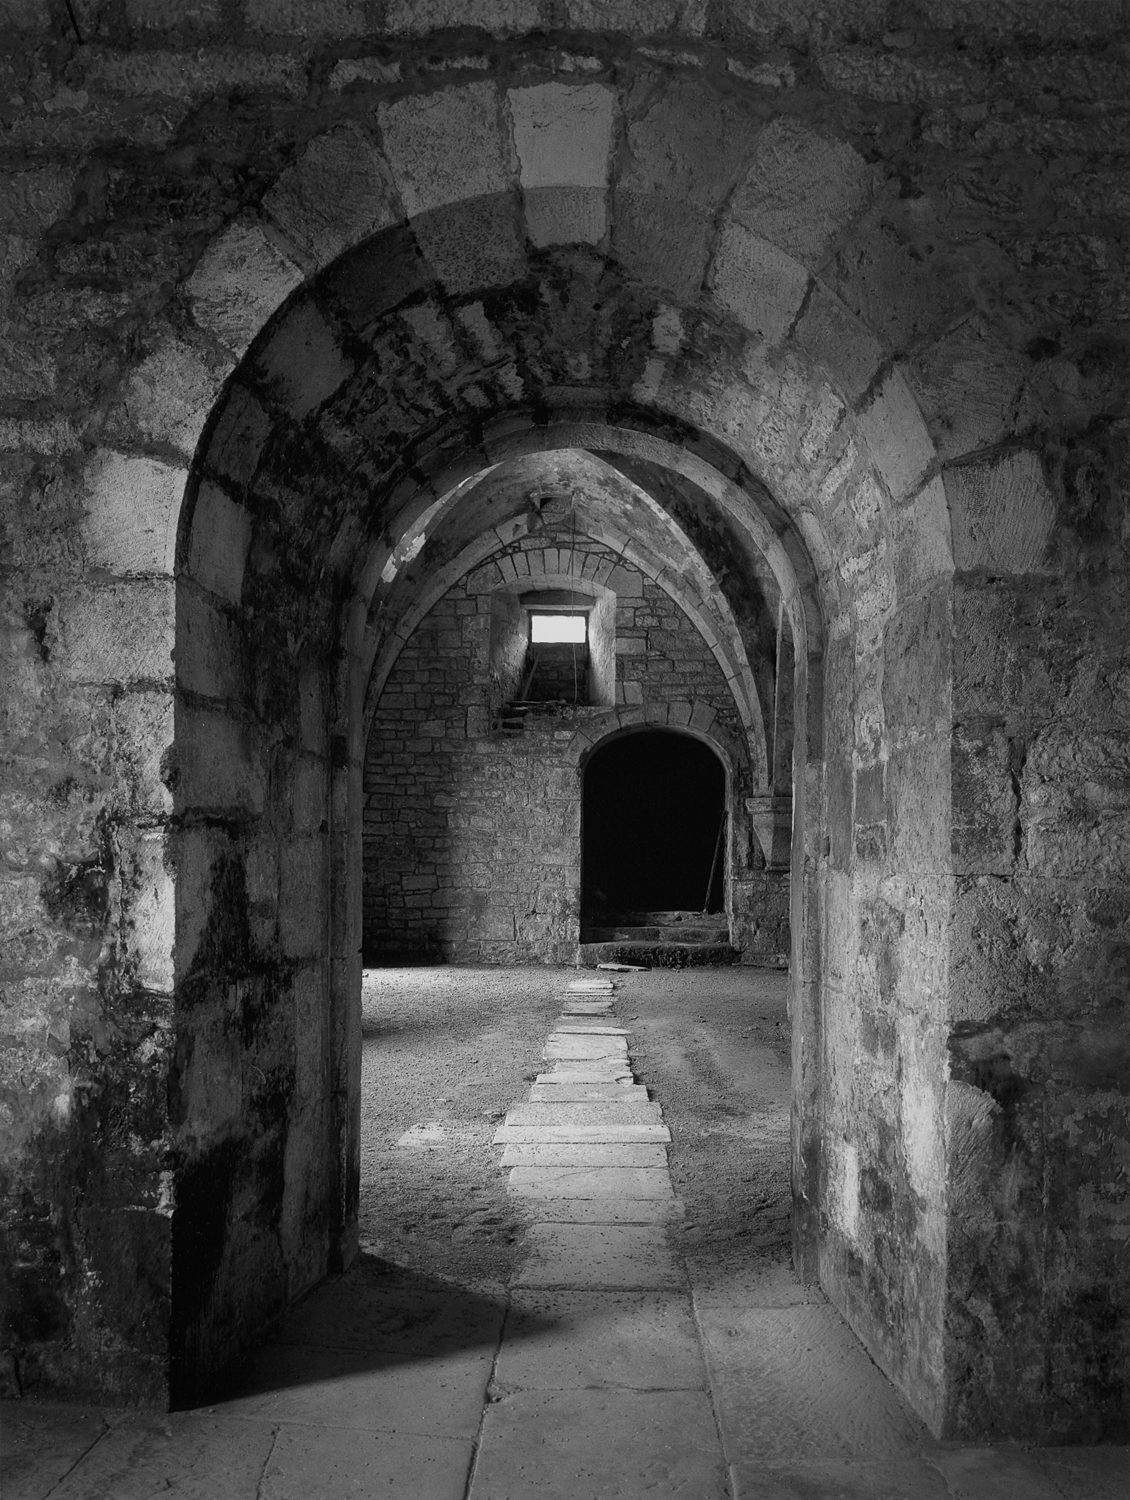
659 955
585 1154
597 1071
584 1048
578 1135
704 934
577 1093
571 1027
600 1112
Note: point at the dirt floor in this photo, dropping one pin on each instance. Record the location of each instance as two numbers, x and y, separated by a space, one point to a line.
446 1051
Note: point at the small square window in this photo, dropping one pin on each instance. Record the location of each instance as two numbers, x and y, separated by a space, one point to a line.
549 629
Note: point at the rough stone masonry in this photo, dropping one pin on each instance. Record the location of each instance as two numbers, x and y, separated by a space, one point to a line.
816 316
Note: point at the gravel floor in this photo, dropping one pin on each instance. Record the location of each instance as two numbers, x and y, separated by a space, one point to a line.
446 1051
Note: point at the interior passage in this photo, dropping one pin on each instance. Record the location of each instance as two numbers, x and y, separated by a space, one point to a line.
653 828
574 1282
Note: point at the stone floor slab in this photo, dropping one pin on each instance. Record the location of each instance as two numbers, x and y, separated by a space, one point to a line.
571 1026
794 1386
584 1047
343 1465
547 1135
187 1455
574 1340
615 1445
591 1182
1001 1472
586 1112
397 1323
599 1256
40 1442
1101 1473
596 1154
594 1072
566 1093
754 1283
441 1395
903 1479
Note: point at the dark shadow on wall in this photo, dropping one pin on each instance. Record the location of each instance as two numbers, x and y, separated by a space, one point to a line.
653 826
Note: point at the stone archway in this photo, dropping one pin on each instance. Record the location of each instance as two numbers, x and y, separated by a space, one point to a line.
747 396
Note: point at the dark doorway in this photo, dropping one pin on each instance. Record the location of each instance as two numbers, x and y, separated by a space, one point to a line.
653 826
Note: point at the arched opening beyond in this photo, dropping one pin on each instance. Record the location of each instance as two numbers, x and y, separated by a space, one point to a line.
323 523
652 827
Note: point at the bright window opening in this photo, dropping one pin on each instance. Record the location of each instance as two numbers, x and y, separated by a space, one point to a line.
545 629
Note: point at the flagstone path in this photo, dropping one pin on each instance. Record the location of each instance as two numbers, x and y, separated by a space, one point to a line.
611 1397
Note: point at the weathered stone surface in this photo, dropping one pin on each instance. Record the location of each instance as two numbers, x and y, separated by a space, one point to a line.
625 1183
594 1256
577 1340
657 1438
601 1112
801 189
758 282
578 1134
630 1154
801 1390
175 159
240 281
1002 514
132 510
335 194
417 132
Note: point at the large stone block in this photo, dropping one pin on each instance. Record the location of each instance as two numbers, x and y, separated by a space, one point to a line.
447 146
239 281
895 274
893 429
219 763
761 285
148 910
802 189
986 823
302 364
373 280
473 245
221 536
673 145
133 506
840 342
662 241
563 134
303 878
968 385
142 738
1003 512
1076 804
336 194
209 649
170 394
121 633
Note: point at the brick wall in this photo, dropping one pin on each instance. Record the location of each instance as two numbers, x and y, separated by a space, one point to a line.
472 833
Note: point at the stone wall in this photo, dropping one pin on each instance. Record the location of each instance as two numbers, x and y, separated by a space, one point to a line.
843 292
472 831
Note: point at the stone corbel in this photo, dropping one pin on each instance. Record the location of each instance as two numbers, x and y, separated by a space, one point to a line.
772 819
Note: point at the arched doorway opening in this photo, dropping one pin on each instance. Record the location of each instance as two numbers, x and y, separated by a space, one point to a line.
653 827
